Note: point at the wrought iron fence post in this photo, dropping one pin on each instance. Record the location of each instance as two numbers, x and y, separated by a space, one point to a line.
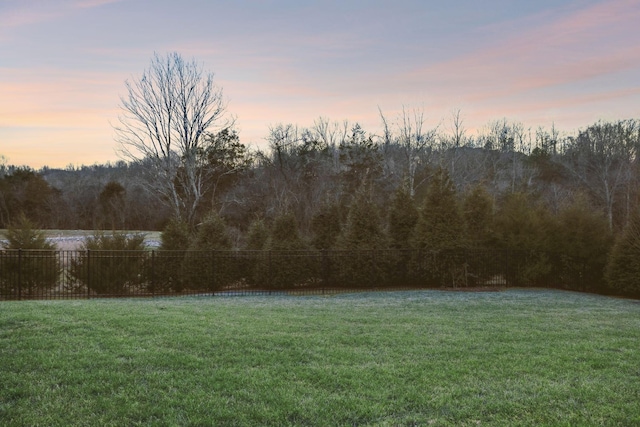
373 268
420 267
153 273
19 274
506 268
88 273
213 272
325 269
269 278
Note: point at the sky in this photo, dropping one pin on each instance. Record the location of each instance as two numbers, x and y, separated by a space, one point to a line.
64 63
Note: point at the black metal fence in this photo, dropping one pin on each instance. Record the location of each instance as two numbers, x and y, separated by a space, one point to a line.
38 274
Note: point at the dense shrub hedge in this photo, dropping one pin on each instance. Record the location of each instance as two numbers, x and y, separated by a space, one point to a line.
109 264
26 273
137 272
623 270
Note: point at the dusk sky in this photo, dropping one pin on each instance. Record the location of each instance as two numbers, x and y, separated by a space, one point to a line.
63 64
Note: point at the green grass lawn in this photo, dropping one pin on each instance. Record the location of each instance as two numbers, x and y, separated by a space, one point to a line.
380 359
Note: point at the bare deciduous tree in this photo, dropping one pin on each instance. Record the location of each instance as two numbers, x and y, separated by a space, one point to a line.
166 113
416 144
601 158
458 132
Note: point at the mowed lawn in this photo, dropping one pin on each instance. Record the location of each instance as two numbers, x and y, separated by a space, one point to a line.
508 358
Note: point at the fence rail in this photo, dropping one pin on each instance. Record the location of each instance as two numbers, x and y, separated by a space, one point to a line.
55 274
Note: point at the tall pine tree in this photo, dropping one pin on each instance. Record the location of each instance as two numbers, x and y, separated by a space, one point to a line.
168 274
623 269
403 217
257 235
363 229
582 239
283 266
204 267
326 226
284 235
363 237
524 229
478 217
440 224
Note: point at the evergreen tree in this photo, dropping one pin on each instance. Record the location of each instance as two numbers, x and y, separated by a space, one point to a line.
326 226
403 217
363 237
582 239
175 236
521 225
211 235
253 266
36 273
24 234
283 266
439 231
524 230
362 230
204 268
478 216
257 235
440 224
111 262
284 235
582 231
167 273
623 268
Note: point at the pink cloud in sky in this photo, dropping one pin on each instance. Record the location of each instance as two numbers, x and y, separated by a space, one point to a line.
58 147
529 68
547 55
572 64
56 117
33 12
60 98
594 45
94 3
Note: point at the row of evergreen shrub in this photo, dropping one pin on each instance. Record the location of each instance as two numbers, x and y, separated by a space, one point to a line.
572 250
130 272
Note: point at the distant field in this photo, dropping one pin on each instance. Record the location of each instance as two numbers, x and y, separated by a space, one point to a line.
72 239
371 359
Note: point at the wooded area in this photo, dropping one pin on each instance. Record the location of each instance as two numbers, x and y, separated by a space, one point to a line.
310 172
334 185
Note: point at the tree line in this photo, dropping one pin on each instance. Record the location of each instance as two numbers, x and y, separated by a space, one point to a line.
336 185
304 170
